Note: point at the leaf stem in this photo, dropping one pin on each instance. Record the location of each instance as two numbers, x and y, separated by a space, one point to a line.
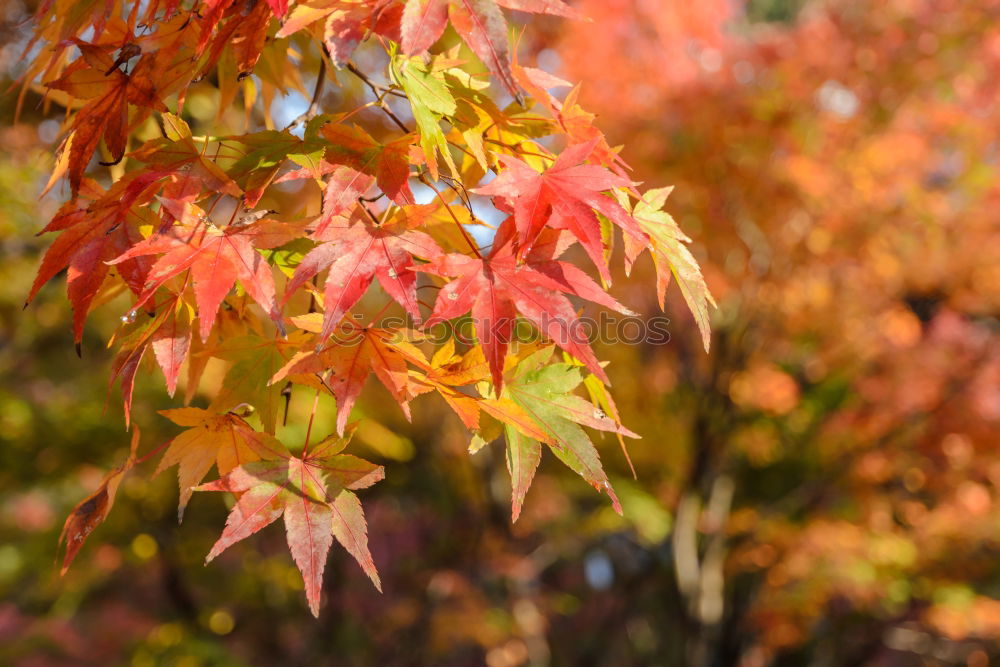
309 428
374 218
152 452
518 150
468 238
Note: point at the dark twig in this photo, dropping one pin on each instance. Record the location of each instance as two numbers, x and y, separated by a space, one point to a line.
313 110
379 92
472 244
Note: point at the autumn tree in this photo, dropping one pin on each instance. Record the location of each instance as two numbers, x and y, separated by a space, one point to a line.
424 159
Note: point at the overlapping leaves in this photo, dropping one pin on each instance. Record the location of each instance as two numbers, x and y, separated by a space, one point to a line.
181 221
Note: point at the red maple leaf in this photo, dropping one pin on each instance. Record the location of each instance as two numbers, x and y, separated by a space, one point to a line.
96 77
91 512
315 495
481 25
352 357
565 196
93 235
358 251
168 333
352 155
217 258
172 340
497 287
389 162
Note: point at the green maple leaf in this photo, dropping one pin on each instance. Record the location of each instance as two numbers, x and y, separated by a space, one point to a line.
430 99
544 392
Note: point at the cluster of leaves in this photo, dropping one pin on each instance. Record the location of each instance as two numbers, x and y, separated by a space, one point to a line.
183 224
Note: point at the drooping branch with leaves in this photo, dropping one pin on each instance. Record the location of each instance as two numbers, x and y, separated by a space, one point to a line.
222 266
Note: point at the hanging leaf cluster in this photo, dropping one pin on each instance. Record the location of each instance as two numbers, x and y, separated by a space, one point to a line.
461 172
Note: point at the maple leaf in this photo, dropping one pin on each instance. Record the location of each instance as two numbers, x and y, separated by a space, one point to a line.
356 252
482 26
96 77
544 392
210 17
93 235
447 372
341 193
430 100
279 7
351 357
91 512
343 189
258 157
422 24
247 33
305 13
315 495
347 22
480 23
126 365
553 7
168 333
671 256
388 162
569 118
495 288
565 195
523 456
244 32
224 440
601 397
172 341
217 258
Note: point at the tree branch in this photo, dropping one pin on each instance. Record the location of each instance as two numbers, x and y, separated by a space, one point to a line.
313 109
380 92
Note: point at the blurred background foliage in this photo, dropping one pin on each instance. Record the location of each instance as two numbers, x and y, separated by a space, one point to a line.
822 489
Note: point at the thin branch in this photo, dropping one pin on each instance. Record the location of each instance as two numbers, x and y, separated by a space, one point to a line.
377 90
313 110
468 238
517 150
463 195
